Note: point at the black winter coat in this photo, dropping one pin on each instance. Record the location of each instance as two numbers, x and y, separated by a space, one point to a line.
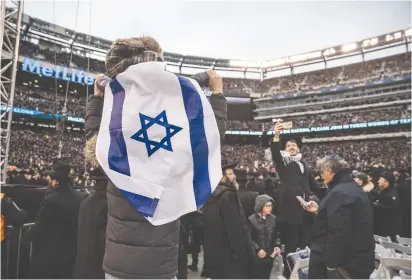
247 198
263 230
257 185
54 234
343 227
225 232
404 191
292 183
91 234
134 247
388 213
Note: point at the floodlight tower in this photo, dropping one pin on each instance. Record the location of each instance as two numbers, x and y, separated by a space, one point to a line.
11 12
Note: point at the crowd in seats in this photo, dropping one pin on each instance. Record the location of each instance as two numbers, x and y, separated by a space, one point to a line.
371 115
244 125
371 70
48 101
340 118
397 67
368 71
279 111
39 146
361 155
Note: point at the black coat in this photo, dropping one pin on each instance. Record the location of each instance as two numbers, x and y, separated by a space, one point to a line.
404 191
263 230
54 234
256 185
92 235
247 198
292 183
388 213
343 228
225 231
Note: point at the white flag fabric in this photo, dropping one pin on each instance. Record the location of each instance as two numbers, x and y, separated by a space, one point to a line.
159 142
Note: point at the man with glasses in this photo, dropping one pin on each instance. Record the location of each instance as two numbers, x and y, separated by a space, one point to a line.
342 244
227 242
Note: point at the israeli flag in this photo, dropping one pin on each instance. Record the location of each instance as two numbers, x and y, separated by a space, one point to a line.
159 142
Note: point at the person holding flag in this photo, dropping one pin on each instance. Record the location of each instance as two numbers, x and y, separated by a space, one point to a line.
158 142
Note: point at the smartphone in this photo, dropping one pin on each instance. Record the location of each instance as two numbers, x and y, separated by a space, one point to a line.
302 201
287 125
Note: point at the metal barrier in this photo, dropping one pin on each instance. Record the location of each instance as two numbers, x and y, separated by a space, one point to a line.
17 261
23 228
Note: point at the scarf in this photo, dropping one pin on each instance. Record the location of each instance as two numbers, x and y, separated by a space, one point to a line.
287 158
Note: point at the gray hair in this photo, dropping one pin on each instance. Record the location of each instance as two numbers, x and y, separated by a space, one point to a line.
333 164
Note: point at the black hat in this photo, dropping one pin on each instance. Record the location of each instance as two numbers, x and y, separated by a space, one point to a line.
388 177
241 175
96 174
285 139
60 169
363 177
227 165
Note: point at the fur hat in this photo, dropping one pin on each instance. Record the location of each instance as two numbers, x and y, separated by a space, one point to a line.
127 52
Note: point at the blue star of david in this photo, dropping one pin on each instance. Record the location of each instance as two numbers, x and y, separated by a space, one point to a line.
153 146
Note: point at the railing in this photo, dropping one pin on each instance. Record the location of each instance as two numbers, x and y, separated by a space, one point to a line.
18 254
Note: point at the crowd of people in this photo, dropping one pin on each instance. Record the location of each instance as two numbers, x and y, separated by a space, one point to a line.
360 155
338 118
372 70
330 196
35 147
356 73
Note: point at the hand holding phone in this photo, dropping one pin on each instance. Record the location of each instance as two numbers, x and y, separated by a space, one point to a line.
302 201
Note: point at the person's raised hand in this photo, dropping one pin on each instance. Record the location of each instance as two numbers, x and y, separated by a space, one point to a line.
278 128
215 82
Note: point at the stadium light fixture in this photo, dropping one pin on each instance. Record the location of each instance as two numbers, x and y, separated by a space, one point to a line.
329 52
349 47
408 32
303 57
243 64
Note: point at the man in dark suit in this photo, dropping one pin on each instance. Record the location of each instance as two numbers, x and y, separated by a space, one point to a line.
388 209
227 242
296 180
54 234
246 196
342 245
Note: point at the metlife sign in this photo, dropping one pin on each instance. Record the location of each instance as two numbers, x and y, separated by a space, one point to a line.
63 73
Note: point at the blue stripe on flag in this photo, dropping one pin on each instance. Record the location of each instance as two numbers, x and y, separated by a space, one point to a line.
118 160
146 206
200 148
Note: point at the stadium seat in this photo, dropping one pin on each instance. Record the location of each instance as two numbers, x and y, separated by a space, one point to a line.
378 238
404 241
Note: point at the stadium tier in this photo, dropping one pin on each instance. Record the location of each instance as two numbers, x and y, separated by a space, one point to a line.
361 108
